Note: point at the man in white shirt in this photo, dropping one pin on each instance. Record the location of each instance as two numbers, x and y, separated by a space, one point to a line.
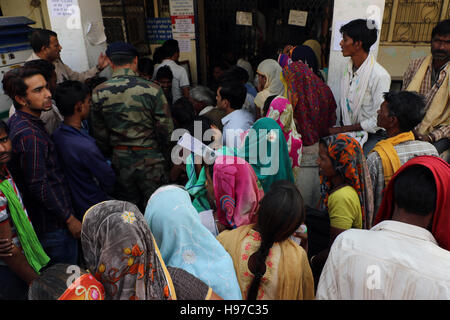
180 82
398 258
231 97
46 46
362 86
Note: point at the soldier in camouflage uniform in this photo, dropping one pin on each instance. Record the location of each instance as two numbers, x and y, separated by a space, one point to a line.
131 121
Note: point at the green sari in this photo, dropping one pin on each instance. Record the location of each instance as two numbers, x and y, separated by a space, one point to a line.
196 185
265 148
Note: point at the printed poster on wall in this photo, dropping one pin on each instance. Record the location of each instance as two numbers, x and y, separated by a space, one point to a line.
182 17
298 18
159 29
62 8
244 18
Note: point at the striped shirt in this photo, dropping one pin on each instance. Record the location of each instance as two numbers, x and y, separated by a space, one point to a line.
406 151
36 170
428 89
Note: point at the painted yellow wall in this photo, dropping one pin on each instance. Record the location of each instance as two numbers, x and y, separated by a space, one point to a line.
22 8
395 59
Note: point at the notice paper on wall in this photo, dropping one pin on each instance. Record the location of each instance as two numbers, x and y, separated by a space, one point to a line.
184 44
244 18
183 25
62 8
181 7
298 18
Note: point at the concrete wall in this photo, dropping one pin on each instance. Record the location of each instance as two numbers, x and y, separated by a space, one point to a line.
78 53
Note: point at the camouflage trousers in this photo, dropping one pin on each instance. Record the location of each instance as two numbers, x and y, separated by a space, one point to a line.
139 173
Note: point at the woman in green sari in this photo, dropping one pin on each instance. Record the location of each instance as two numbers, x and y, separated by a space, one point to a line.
265 148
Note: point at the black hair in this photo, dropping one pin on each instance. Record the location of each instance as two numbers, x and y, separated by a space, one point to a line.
281 212
441 29
41 38
46 67
159 55
4 127
267 104
52 282
415 190
93 82
408 107
68 94
234 92
146 66
122 59
234 74
14 84
164 72
183 112
220 64
206 125
171 47
361 30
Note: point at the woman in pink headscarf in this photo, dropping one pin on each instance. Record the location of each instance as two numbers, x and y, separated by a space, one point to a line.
236 190
281 111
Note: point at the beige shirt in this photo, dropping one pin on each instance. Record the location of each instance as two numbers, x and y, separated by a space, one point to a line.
63 72
391 261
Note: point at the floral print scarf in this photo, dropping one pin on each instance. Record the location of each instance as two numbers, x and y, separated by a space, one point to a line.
121 252
348 159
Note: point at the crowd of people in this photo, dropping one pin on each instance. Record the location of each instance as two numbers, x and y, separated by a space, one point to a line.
94 206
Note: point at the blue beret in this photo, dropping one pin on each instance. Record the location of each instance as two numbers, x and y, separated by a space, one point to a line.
121 48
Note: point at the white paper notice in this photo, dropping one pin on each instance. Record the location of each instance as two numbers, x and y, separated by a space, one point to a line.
338 36
244 18
184 44
298 18
181 7
62 8
184 26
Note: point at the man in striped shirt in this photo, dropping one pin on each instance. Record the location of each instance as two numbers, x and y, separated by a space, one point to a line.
399 114
435 79
36 169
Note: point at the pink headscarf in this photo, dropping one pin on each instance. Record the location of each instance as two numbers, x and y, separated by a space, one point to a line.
237 191
281 111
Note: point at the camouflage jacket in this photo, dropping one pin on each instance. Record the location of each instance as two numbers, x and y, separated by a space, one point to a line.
128 110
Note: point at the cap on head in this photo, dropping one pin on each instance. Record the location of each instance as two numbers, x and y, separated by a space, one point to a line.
121 48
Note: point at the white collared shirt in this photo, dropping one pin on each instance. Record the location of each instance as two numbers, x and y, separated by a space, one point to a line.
234 125
180 78
379 82
391 261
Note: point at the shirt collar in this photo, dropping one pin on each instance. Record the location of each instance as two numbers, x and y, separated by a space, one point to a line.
229 116
29 116
406 229
124 72
72 129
